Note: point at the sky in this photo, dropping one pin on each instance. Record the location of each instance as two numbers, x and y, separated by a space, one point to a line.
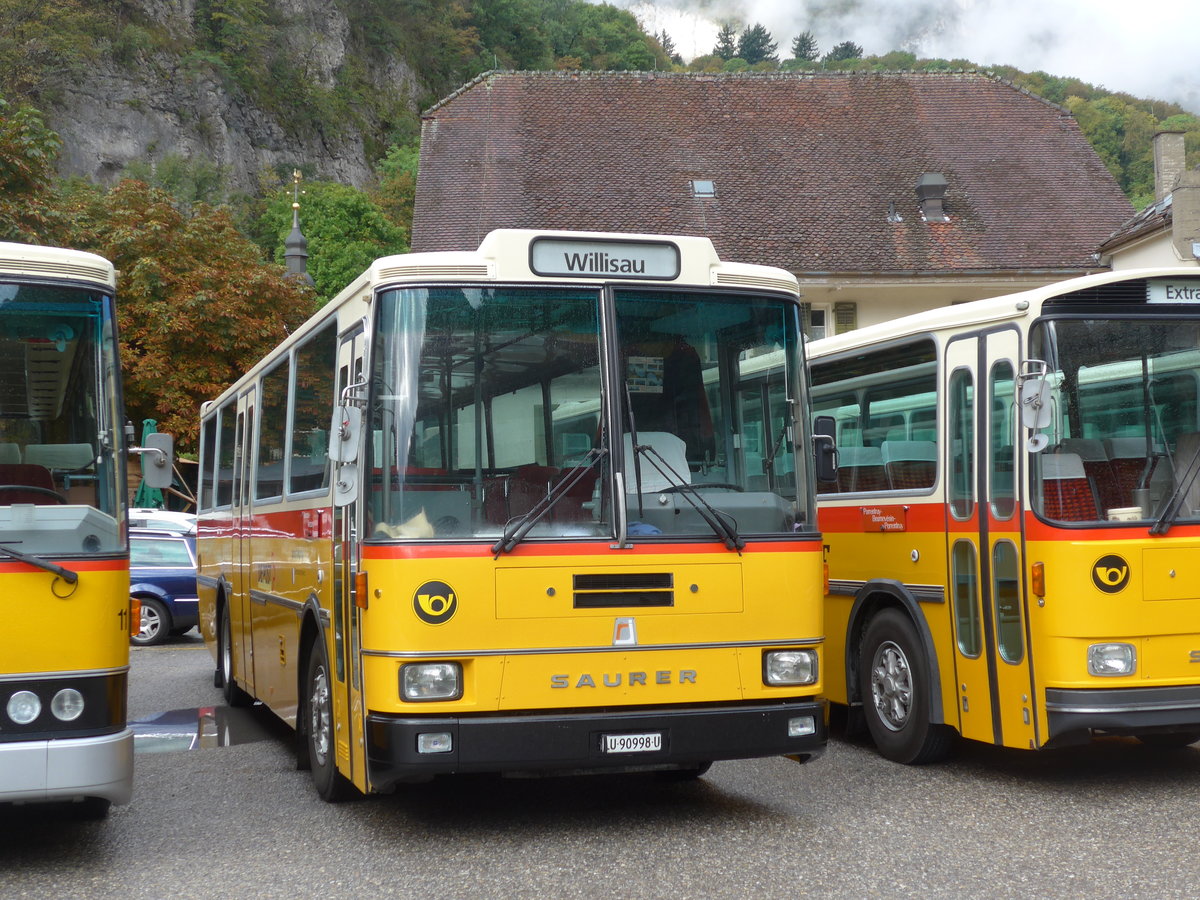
1147 48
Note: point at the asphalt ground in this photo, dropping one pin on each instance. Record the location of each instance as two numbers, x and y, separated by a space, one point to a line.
1113 819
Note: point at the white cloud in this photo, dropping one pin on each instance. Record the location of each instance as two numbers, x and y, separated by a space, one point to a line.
1146 49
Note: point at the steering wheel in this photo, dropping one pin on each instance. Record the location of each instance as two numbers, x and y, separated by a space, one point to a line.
29 488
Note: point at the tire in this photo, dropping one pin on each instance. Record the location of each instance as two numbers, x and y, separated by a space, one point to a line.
156 623
317 719
894 680
234 695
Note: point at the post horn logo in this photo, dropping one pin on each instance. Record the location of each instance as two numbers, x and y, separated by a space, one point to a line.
1110 574
435 602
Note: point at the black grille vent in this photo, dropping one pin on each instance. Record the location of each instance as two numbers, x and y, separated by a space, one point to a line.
633 589
1133 291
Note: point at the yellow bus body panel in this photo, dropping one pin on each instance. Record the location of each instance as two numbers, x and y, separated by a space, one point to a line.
89 621
518 635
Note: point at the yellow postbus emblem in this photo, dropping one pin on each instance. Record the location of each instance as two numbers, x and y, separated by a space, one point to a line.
435 602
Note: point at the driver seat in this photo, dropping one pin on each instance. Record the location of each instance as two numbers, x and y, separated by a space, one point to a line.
14 476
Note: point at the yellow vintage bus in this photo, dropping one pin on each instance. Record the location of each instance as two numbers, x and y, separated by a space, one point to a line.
542 506
1013 533
64 552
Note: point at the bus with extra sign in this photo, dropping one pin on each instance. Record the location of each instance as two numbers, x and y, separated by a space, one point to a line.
1013 533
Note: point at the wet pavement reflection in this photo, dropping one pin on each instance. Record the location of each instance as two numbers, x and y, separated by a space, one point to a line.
200 728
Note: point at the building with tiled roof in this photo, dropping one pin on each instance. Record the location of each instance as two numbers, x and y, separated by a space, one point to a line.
1167 232
884 193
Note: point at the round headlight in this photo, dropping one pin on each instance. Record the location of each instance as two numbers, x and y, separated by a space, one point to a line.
24 707
67 705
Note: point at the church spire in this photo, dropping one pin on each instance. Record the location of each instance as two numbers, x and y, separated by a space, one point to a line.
295 247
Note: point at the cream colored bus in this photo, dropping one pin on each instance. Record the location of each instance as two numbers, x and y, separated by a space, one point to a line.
546 505
1013 535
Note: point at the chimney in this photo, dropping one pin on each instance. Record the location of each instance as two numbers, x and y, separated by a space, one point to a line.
1168 162
931 194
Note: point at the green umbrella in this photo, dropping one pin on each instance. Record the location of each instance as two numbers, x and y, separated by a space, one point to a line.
148 497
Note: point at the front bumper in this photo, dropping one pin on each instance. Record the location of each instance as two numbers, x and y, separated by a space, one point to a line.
68 768
1074 713
572 741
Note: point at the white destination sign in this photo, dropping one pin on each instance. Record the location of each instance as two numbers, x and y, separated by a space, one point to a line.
658 261
1175 291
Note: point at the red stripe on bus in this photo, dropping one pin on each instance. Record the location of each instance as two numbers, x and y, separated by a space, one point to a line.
479 551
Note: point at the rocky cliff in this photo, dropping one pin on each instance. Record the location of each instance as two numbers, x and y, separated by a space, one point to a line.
167 100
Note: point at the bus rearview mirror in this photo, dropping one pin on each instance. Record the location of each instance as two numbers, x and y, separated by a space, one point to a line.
343 435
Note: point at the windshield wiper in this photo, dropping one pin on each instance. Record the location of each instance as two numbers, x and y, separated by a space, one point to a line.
520 526
715 519
65 574
1175 502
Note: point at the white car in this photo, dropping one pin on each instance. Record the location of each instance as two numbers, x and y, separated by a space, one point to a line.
162 520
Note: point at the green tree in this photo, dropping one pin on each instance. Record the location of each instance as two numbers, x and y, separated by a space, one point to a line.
844 51
668 47
726 47
755 45
601 37
346 232
512 31
804 46
196 303
397 188
44 46
28 150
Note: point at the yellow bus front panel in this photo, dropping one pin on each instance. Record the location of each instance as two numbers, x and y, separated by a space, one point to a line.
655 643
78 743
1116 602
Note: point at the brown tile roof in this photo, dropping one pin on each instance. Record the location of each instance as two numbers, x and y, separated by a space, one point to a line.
805 167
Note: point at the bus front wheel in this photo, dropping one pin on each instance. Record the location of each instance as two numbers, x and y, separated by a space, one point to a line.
894 681
319 727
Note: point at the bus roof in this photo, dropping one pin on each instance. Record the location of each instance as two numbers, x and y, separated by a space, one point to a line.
507 254
32 261
1021 304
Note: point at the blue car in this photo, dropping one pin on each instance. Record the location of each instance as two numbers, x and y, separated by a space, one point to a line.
162 575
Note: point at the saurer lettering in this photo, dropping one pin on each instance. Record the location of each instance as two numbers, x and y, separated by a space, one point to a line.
630 679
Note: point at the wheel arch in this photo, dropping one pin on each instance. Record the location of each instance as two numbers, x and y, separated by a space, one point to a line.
872 598
313 621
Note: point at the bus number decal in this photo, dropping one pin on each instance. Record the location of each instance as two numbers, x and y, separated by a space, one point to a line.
435 602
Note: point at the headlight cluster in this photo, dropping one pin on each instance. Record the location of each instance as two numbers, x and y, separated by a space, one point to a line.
784 667
430 681
1112 659
24 707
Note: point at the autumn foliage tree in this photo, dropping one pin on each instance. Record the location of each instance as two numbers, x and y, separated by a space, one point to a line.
27 153
196 304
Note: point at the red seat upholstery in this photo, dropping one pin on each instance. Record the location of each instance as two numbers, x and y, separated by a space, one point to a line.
14 476
1066 492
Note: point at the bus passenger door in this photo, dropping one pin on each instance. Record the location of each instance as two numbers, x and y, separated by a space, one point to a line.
347 641
986 593
1008 601
973 665
241 618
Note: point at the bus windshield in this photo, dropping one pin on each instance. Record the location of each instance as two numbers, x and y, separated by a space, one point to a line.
485 398
1126 423
60 477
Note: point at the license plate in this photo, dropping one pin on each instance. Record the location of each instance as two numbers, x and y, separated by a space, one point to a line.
645 742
